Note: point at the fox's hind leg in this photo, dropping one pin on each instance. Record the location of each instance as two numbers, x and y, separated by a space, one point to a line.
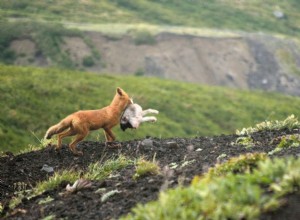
62 135
79 137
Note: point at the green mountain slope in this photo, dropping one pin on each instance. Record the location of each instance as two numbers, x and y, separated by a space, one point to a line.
33 99
223 14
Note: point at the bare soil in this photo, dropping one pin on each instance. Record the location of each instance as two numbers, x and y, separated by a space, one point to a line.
204 152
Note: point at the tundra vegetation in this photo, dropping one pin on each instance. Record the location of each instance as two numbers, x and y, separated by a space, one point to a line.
95 171
250 16
244 186
237 187
34 98
48 22
144 167
257 187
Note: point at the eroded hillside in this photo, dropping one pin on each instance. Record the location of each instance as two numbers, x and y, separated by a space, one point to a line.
242 61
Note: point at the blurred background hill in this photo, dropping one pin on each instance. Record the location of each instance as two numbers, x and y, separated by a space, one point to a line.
236 44
241 44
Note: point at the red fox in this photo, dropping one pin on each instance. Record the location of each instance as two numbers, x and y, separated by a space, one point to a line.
82 122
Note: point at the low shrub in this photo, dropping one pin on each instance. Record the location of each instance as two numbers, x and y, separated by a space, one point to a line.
144 167
230 196
88 61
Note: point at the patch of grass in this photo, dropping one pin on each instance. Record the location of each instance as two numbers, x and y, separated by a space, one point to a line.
139 72
45 200
7 56
144 167
230 196
214 110
243 163
42 143
16 200
90 44
47 36
88 61
253 16
287 142
289 60
141 37
55 180
98 171
246 141
50 184
49 217
290 123
109 194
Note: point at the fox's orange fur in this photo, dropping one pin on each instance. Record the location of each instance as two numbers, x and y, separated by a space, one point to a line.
82 122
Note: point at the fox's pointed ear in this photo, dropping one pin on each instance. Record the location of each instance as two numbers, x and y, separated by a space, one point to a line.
120 91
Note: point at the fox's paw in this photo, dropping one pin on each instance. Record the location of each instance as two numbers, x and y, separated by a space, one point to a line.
113 145
57 151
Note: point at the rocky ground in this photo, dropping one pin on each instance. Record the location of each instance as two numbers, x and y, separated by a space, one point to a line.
23 171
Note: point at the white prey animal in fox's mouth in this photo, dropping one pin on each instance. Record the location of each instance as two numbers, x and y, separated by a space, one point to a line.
133 116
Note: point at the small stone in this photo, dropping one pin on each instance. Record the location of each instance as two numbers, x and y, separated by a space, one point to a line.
190 148
147 143
172 144
47 168
278 14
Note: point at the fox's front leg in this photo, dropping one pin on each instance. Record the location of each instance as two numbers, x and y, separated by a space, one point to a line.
150 118
150 111
109 135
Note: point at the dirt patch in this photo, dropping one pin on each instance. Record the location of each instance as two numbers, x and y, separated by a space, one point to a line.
27 53
199 153
186 58
77 49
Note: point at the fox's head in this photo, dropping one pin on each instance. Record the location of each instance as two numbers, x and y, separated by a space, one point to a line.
121 99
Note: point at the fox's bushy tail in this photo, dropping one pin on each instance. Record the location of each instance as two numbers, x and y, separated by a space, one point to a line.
61 126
